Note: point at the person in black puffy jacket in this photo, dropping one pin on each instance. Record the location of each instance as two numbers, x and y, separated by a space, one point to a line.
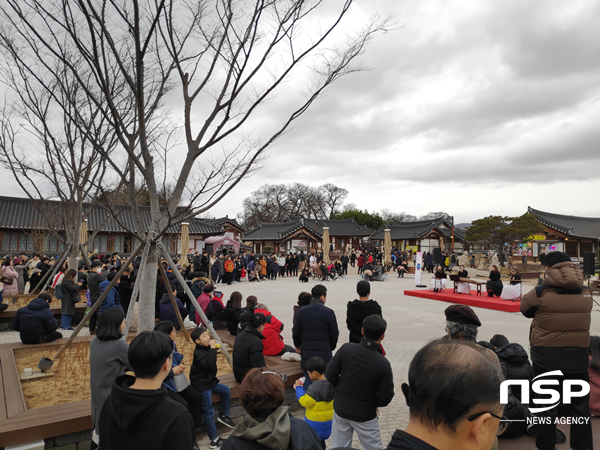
315 331
203 377
513 360
36 323
363 382
248 348
360 309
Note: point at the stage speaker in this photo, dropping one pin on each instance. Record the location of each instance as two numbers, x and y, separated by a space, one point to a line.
437 255
589 263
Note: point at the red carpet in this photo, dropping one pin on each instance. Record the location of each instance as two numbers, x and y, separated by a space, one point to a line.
464 299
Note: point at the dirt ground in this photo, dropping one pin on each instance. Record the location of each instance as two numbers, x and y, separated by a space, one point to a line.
71 382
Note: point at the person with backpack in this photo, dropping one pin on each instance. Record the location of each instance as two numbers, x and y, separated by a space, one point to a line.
113 299
68 294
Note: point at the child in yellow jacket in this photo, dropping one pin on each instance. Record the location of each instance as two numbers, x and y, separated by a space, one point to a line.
317 398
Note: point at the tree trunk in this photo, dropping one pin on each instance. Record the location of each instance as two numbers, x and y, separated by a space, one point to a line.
501 255
148 292
75 240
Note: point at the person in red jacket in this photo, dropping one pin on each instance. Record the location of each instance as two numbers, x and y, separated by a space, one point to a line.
361 263
229 267
273 344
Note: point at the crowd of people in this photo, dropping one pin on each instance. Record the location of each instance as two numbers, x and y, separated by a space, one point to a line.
343 392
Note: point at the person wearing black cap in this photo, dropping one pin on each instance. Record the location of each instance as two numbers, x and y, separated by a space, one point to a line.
461 323
359 309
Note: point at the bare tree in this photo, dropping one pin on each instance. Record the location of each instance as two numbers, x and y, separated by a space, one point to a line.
227 60
390 216
334 197
434 215
272 203
52 161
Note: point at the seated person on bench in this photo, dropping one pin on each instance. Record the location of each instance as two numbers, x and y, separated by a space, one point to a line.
378 269
439 281
36 323
461 286
325 273
513 291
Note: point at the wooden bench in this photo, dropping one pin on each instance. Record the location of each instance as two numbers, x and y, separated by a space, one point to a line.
10 313
318 274
19 425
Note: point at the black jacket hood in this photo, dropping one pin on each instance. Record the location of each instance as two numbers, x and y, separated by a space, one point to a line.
513 352
130 407
38 304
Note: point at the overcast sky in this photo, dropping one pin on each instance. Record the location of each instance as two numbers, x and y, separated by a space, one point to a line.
474 108
470 107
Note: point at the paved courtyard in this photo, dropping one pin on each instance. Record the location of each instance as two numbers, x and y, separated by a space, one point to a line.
412 322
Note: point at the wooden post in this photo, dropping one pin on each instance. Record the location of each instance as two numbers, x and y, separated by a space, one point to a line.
136 290
96 305
85 257
199 310
173 301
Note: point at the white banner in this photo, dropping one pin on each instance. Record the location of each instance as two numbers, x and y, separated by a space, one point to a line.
418 268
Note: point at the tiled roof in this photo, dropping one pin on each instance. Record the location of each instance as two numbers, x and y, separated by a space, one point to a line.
277 231
416 230
345 227
21 214
222 220
582 227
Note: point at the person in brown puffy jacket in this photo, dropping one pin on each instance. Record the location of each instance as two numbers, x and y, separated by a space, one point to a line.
559 338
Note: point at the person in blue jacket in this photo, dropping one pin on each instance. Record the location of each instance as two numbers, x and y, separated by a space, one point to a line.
113 299
36 323
166 308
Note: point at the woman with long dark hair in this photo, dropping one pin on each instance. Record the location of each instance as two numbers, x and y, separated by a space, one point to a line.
71 297
494 285
439 280
233 311
108 360
513 291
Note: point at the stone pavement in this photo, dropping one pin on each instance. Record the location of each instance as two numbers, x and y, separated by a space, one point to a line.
412 322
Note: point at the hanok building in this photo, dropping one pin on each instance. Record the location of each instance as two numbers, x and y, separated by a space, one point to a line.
300 234
23 228
227 242
421 236
570 234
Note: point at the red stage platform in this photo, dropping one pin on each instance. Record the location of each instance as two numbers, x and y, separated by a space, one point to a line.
464 299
